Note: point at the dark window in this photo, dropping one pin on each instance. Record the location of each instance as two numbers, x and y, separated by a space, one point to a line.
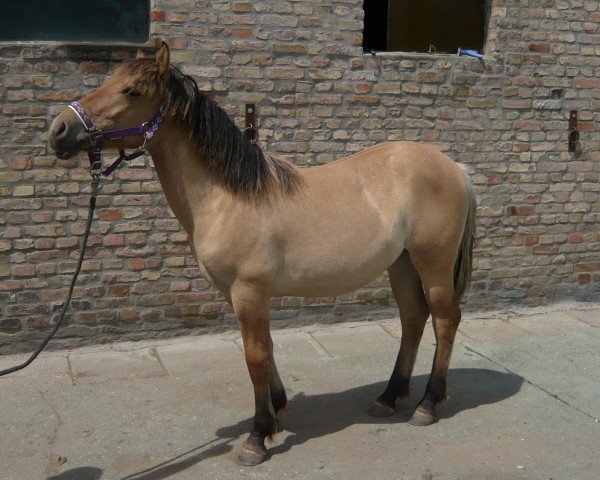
75 20
424 26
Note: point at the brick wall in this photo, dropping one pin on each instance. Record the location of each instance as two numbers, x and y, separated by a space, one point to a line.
319 98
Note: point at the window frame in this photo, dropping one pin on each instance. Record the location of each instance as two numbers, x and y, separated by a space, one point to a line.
89 43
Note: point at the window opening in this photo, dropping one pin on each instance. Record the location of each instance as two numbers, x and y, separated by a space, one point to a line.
435 26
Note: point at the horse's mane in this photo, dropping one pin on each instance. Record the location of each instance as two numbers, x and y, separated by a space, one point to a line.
239 165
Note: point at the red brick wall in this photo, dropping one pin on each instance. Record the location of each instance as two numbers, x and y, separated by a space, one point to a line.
319 98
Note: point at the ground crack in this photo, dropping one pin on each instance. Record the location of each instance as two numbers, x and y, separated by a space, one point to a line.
53 466
535 385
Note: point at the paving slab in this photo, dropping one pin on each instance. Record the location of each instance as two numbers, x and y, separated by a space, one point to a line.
99 367
519 407
591 317
212 354
44 365
490 329
558 321
355 340
565 365
289 347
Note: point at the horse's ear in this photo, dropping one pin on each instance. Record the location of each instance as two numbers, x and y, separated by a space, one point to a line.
163 59
140 55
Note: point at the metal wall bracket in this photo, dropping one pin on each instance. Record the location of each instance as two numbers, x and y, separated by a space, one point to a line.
573 132
251 132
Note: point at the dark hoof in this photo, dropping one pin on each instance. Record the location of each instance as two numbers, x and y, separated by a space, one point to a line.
380 410
250 455
422 417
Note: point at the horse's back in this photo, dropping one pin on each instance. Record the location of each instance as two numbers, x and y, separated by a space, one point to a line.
396 177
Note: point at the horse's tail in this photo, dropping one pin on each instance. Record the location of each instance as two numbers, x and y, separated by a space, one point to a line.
464 262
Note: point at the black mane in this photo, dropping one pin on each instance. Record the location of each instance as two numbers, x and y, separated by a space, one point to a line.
238 164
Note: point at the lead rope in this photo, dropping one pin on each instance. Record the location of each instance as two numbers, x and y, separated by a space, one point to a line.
95 172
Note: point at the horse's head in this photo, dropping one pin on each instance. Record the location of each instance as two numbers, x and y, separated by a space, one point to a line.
129 98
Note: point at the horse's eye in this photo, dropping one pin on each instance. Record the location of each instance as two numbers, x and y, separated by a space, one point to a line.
130 92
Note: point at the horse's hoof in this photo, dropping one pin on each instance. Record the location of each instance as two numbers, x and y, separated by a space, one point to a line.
251 455
380 410
422 418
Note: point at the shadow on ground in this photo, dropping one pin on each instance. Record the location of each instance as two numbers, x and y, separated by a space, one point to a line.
79 473
318 415
214 448
313 416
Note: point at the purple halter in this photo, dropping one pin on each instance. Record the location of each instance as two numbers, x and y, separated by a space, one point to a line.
147 130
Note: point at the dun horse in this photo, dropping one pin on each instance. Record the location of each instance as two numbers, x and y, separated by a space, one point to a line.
261 227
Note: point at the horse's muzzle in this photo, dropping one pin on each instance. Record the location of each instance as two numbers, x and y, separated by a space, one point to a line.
66 136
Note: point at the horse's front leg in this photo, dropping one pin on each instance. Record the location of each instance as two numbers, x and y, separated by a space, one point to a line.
251 306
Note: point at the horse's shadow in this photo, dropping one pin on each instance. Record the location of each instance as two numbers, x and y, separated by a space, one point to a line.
79 473
313 416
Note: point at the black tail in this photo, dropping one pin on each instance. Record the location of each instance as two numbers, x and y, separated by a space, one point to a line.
464 262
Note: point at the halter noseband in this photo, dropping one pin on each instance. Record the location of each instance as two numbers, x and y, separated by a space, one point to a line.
147 130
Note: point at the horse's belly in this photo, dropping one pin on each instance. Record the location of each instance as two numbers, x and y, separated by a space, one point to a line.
321 273
339 245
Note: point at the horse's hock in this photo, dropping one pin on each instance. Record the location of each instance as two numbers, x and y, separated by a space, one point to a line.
319 98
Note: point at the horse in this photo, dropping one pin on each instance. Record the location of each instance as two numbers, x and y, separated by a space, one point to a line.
259 226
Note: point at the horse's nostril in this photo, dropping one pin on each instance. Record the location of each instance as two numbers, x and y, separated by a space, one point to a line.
61 131
59 137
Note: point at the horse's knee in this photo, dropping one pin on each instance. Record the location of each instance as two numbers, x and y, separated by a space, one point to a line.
258 355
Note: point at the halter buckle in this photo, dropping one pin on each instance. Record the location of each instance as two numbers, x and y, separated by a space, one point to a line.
95 137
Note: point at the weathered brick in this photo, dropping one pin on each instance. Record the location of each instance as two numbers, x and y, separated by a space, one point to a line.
118 290
242 7
539 47
284 73
242 32
328 74
113 240
94 67
290 48
157 16
23 270
528 125
177 16
388 88
430 77
587 83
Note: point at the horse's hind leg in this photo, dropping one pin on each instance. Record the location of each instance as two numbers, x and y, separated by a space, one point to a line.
436 273
408 292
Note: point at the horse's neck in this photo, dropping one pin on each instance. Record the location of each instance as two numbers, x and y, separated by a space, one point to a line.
188 186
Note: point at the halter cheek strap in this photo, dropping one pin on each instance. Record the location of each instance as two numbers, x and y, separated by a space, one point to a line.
147 130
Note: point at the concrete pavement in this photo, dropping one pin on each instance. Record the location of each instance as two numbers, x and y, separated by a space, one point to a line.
524 403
